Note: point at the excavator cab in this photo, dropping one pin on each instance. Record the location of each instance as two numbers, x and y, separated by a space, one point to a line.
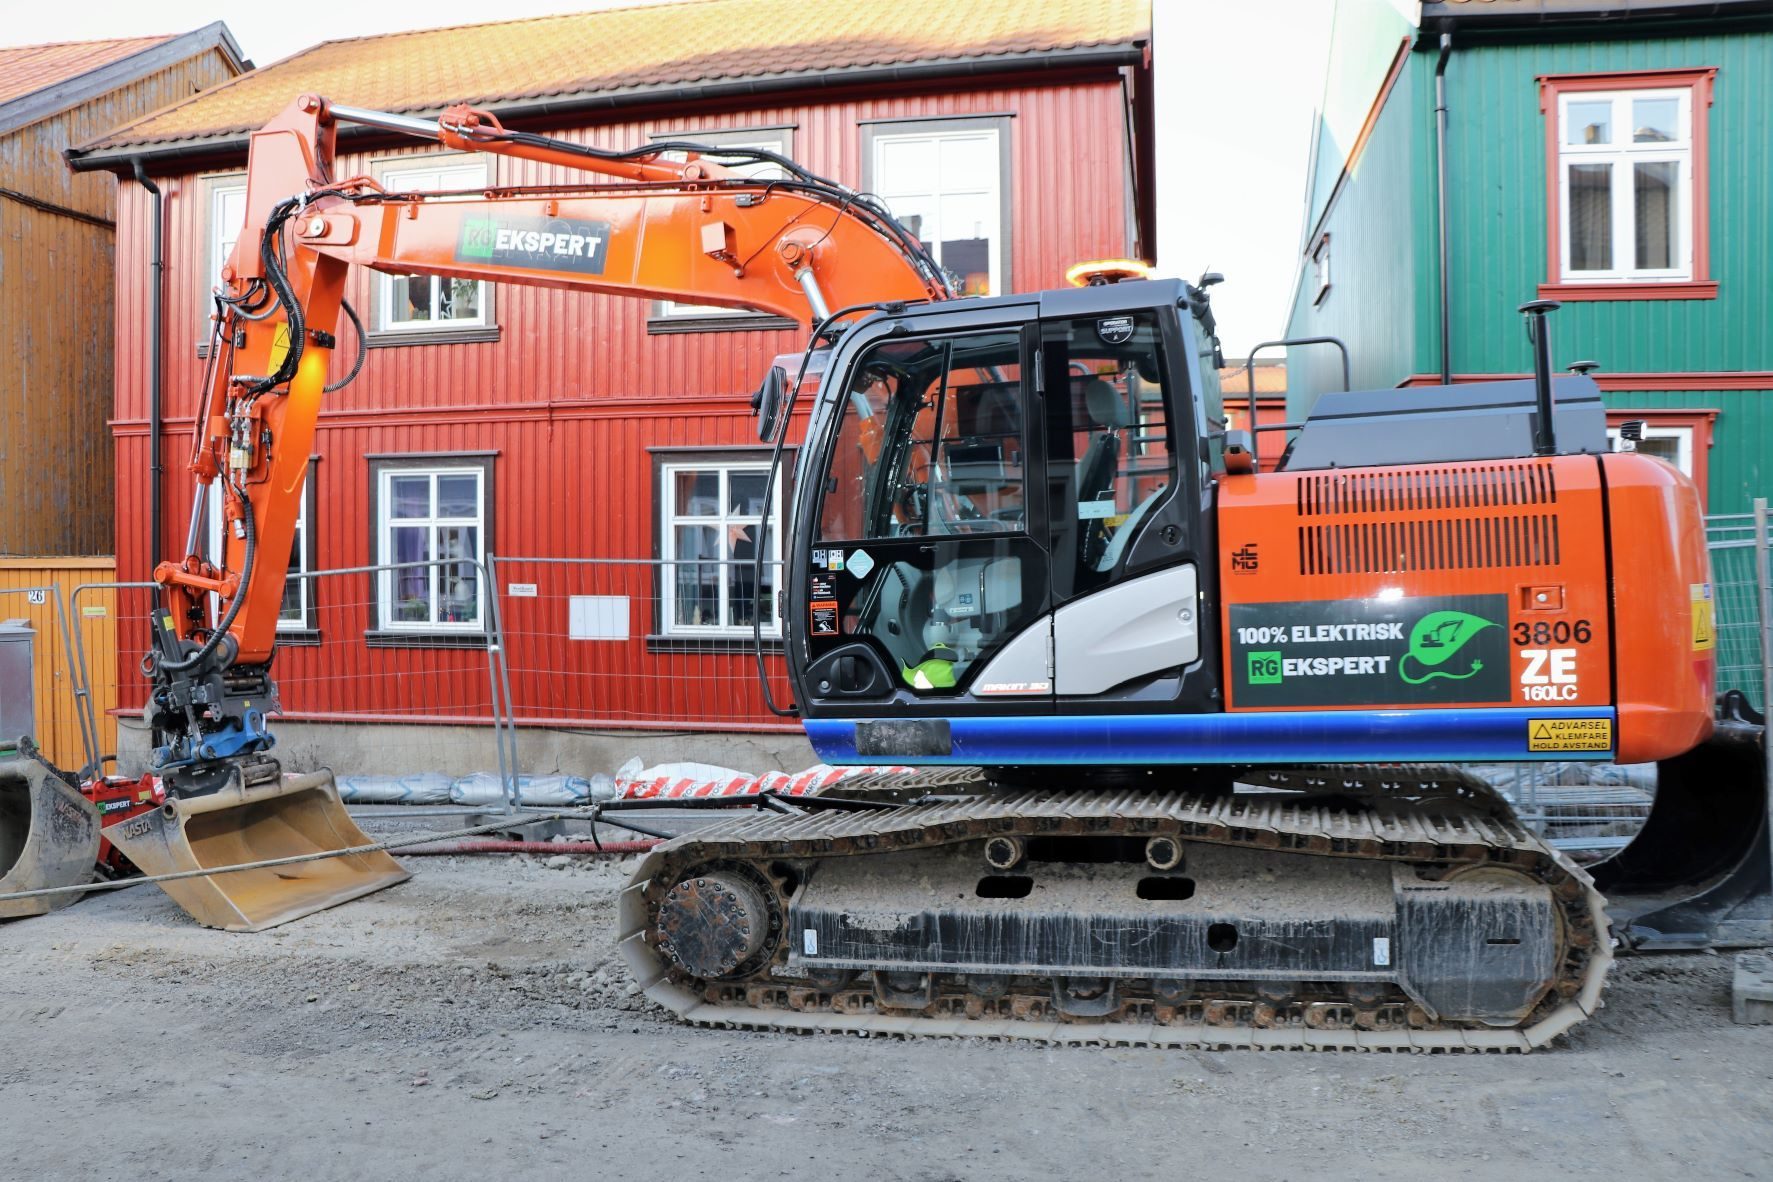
1004 504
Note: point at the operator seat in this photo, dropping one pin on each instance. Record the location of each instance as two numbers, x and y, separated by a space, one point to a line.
1100 466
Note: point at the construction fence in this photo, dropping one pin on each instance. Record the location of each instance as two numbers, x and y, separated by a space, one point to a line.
510 643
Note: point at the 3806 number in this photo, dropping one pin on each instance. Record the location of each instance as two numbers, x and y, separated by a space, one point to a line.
1553 632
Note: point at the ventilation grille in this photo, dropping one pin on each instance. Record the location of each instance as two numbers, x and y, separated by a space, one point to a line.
1397 547
1492 486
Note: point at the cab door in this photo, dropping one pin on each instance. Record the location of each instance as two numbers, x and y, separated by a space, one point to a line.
1125 524
928 546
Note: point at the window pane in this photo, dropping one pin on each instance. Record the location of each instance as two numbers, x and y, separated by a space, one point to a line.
412 297
1591 217
1656 198
412 586
1655 120
968 163
291 610
458 496
698 493
458 599
411 497
464 300
746 493
697 584
741 588
1589 122
907 166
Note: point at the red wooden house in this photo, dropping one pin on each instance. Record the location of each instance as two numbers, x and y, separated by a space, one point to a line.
520 422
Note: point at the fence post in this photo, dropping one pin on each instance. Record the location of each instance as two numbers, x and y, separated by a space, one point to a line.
1764 585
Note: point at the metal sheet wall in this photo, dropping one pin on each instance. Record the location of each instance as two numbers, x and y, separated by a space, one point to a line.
576 390
58 724
55 321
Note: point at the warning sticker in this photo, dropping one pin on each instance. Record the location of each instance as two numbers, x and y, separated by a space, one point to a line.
1569 734
824 613
1705 627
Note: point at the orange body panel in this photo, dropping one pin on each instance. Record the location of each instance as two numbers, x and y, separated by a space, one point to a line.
1483 584
1666 656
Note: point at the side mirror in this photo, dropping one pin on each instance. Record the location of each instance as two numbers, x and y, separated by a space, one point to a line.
767 402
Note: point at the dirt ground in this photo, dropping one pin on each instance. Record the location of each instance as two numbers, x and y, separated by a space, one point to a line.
475 1023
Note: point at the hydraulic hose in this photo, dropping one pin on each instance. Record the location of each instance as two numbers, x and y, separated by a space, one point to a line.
227 621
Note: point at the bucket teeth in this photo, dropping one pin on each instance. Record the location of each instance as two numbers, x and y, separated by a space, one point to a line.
287 817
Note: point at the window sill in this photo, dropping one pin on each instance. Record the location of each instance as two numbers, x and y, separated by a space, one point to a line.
383 339
298 637
393 638
674 643
667 325
474 334
1695 289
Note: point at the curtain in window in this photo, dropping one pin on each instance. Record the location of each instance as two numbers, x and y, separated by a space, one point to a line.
1591 217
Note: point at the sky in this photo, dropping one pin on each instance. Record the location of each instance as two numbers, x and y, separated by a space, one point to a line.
1232 176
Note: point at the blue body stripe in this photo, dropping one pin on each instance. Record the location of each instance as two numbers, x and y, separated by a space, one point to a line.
1315 736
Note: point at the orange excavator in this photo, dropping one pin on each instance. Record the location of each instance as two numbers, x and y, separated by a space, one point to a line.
1188 737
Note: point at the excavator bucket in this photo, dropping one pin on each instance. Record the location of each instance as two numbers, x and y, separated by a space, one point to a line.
282 818
1700 872
49 836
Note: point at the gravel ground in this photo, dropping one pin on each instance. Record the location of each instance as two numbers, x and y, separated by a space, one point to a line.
475 1022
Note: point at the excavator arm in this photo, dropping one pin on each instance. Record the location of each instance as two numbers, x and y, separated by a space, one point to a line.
642 223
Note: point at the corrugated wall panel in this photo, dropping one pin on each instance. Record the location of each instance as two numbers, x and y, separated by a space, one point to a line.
1497 177
571 397
58 722
1740 467
56 318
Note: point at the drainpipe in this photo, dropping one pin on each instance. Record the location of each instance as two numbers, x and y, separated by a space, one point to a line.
1440 162
156 309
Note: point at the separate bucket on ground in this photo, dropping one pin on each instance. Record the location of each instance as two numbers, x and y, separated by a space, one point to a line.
239 824
49 836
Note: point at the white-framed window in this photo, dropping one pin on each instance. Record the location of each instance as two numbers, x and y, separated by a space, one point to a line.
425 303
1625 184
227 214
948 189
297 611
711 512
430 514
775 140
1674 444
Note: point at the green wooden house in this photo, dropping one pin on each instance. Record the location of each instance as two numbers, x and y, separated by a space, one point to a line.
1616 157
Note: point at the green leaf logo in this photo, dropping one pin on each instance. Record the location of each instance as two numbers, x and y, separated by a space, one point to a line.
1437 639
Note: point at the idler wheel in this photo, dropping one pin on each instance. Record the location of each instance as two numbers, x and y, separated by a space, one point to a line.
713 923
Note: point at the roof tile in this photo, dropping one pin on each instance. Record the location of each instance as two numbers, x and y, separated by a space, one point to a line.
625 48
25 69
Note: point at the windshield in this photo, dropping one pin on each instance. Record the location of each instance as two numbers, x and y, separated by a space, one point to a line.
931 441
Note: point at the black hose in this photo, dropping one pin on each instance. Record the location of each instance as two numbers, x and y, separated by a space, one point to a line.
227 621
362 350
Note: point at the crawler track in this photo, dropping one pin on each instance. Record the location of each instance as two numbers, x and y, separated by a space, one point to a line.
1438 823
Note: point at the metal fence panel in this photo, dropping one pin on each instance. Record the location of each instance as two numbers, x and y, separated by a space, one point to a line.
638 644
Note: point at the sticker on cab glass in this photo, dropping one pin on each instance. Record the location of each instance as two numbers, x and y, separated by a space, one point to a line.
860 563
824 587
1115 330
824 613
1569 734
1705 623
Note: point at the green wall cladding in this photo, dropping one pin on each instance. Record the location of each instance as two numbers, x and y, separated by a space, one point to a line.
1738 468
1372 301
1496 175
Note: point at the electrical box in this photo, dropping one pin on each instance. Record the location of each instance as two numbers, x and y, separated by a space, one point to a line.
18 710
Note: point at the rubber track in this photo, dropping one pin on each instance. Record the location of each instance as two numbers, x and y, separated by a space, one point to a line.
1458 824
